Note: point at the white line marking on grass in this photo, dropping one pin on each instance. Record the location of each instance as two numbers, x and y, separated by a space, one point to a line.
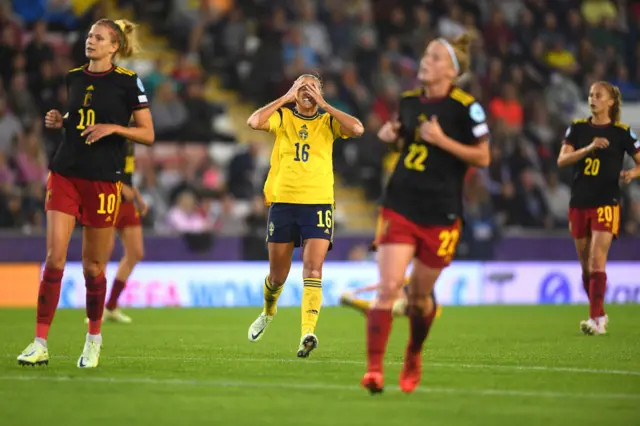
427 364
316 386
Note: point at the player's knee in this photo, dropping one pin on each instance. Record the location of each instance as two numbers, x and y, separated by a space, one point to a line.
55 259
277 278
388 292
312 270
134 257
92 269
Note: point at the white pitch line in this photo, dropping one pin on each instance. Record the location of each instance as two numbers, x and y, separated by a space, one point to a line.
427 364
317 386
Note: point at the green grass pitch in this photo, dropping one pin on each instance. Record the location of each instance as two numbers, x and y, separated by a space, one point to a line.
483 366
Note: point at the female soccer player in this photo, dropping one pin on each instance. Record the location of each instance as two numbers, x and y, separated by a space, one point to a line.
399 306
441 131
299 189
595 146
129 228
84 182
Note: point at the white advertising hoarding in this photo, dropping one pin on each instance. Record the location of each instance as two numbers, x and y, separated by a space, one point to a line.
229 284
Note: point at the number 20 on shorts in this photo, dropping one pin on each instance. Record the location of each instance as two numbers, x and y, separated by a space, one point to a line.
605 214
107 203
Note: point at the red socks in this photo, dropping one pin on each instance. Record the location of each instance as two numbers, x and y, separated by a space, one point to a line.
597 290
96 293
419 327
586 279
116 290
378 330
48 297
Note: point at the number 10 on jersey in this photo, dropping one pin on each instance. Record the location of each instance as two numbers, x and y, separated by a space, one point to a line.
87 118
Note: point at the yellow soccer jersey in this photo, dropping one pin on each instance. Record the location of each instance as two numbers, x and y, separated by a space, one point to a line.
302 158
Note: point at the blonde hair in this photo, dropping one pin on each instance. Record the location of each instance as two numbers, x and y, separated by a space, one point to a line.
614 92
460 49
125 34
315 76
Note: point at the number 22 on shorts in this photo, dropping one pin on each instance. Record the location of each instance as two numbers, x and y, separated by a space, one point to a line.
448 242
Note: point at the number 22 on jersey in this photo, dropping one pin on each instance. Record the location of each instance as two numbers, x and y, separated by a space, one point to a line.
416 157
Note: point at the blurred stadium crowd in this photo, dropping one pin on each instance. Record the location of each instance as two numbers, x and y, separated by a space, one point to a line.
533 62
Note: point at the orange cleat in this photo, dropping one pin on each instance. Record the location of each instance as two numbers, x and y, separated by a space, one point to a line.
373 381
411 372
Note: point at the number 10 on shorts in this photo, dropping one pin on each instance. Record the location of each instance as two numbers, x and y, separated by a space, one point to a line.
107 203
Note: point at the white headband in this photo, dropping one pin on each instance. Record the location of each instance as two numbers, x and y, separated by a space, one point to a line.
452 54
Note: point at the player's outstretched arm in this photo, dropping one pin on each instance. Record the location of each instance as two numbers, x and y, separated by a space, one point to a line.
569 155
349 125
259 120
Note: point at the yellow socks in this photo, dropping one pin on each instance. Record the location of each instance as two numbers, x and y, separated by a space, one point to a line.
311 303
271 296
361 305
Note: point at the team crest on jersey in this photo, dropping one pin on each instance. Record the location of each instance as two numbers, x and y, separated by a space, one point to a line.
303 133
477 114
88 96
271 228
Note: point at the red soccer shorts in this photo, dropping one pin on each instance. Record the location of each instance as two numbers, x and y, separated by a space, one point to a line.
128 215
94 203
435 244
584 220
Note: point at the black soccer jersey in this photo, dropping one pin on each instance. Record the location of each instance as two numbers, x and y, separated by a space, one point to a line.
97 98
426 185
596 177
129 164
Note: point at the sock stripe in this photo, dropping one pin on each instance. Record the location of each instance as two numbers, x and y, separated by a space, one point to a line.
313 279
313 285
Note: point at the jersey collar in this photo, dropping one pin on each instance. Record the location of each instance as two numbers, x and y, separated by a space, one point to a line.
304 117
85 69
425 100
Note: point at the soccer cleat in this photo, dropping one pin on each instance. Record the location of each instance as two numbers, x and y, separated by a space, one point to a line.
307 344
116 316
411 372
373 381
34 354
90 355
399 308
593 327
256 330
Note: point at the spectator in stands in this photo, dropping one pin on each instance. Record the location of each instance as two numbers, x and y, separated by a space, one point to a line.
186 216
169 112
38 50
557 195
243 172
10 128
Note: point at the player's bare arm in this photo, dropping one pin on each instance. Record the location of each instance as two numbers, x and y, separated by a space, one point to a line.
142 132
54 119
628 175
569 155
477 155
349 125
259 120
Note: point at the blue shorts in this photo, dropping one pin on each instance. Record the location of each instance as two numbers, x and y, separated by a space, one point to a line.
299 222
